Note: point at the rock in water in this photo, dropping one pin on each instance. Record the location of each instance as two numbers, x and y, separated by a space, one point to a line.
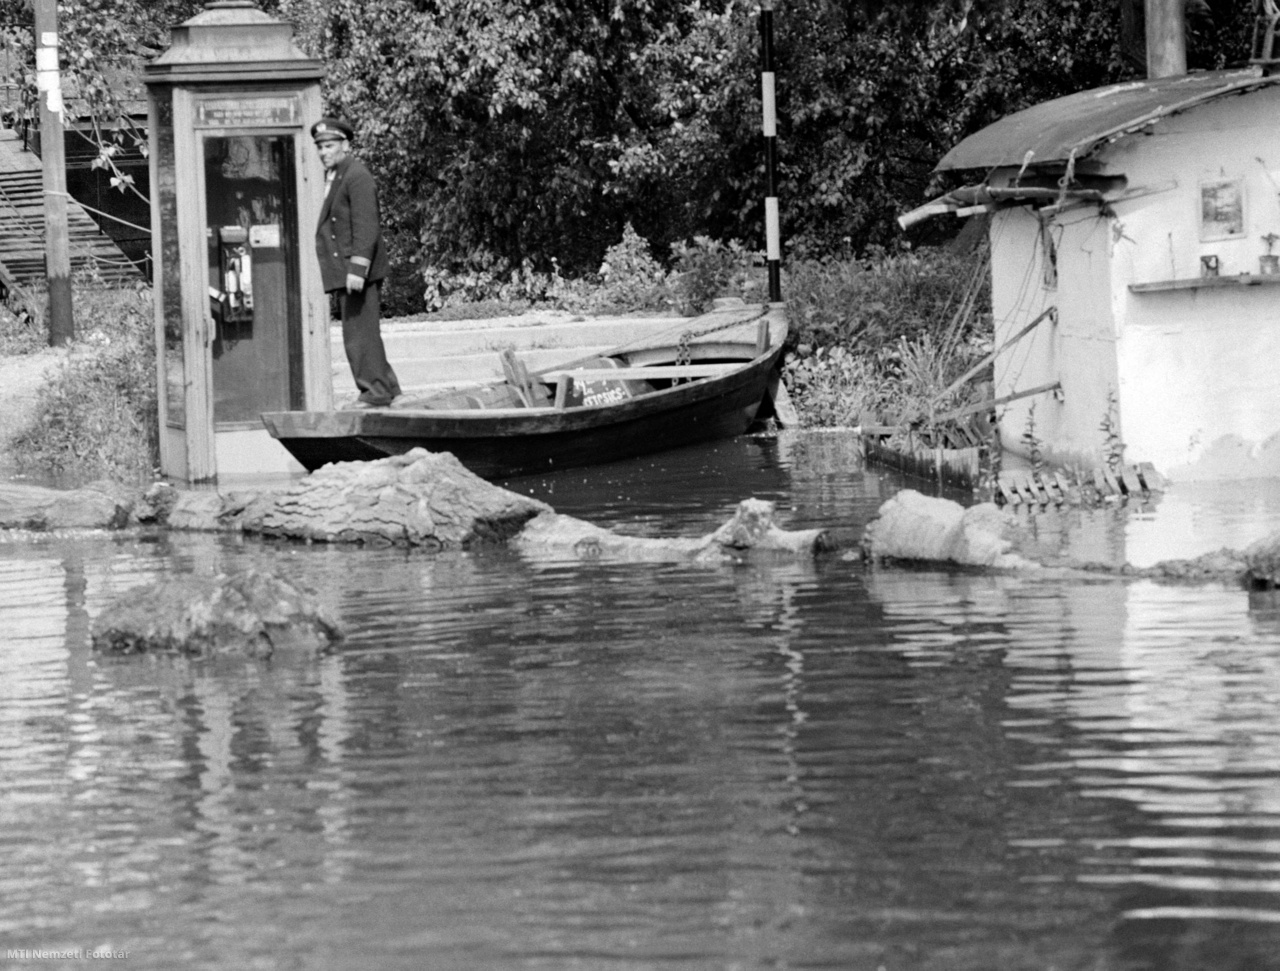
420 498
1262 560
751 528
97 506
555 534
911 526
251 613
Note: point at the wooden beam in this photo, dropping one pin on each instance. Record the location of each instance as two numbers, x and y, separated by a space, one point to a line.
995 402
958 382
643 373
564 388
921 213
1166 25
518 377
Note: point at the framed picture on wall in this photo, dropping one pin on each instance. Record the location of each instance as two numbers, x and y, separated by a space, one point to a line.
1221 209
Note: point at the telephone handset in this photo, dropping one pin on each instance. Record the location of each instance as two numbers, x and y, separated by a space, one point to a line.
236 262
235 266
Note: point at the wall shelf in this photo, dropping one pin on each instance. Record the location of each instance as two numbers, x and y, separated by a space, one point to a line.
1209 283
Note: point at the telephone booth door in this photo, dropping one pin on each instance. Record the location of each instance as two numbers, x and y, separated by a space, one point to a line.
251 215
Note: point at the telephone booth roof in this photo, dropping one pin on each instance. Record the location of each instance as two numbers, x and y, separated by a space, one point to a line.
232 41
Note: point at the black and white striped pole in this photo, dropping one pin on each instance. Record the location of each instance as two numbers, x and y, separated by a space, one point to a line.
57 250
773 240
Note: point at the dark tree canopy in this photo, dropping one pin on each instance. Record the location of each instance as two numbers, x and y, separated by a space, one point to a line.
535 130
510 132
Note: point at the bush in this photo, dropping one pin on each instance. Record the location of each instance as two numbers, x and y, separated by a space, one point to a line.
879 341
402 291
629 279
706 269
865 304
832 388
97 418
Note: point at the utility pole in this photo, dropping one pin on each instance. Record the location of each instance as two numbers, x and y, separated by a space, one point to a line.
57 246
1166 38
768 87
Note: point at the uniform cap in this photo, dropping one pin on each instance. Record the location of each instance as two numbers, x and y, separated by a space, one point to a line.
329 128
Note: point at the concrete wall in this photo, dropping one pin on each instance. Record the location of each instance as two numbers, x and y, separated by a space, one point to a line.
1195 368
1200 386
1078 350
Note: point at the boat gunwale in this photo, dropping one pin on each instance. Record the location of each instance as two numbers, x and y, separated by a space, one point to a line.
381 422
731 370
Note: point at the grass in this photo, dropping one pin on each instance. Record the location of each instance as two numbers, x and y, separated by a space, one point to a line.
865 304
23 329
97 418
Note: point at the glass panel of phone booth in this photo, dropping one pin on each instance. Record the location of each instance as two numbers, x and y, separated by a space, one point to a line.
251 207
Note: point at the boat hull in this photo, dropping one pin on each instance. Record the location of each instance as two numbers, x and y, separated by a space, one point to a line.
501 443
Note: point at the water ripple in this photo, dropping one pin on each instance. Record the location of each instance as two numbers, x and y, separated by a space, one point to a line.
513 764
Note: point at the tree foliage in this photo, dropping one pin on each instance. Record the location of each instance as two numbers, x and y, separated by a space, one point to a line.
872 104
528 133
533 131
101 45
514 129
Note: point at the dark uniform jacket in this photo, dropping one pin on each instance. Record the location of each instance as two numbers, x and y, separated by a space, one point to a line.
349 237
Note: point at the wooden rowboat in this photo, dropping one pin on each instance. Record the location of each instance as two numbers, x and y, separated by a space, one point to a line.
704 380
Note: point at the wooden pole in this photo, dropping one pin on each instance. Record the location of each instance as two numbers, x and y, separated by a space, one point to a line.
987 359
57 248
1166 38
773 242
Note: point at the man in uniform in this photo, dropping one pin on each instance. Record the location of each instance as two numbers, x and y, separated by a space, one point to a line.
353 260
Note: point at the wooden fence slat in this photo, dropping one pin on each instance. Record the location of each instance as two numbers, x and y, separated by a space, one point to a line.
1064 486
1024 487
1004 483
1040 489
1021 487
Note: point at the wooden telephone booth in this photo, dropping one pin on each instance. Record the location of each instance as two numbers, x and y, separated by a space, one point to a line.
242 322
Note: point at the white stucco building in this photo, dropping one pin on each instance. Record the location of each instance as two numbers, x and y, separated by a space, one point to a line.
1147 215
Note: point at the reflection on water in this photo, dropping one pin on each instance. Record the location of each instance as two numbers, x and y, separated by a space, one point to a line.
553 764
1194 518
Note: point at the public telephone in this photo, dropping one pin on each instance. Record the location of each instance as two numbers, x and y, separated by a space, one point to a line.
235 268
256 337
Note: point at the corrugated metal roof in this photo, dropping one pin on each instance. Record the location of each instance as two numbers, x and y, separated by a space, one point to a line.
1081 122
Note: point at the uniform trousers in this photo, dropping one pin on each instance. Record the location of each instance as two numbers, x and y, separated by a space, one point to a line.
362 338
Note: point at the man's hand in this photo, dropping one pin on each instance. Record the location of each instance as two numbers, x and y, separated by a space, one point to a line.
355 283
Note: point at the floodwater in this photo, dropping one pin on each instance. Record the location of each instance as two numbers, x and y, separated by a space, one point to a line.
517 764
